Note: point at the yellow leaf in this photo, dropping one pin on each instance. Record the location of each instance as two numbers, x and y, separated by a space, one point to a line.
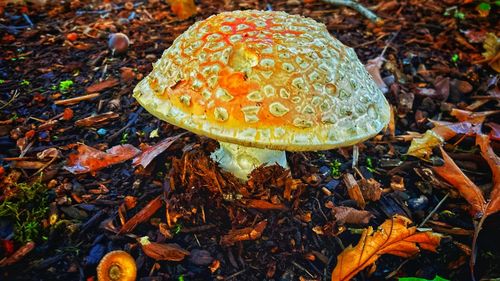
422 147
491 46
392 237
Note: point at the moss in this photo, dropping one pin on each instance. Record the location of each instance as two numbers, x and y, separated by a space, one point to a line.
26 209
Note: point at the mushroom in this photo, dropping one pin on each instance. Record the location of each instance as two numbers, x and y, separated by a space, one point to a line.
262 83
117 266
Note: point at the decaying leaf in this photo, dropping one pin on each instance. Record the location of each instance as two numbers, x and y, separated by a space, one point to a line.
495 131
491 47
468 190
422 147
162 251
244 234
493 160
345 215
392 237
448 130
149 154
142 215
183 9
88 159
472 117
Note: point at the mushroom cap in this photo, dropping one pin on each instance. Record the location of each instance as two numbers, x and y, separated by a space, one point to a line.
265 79
117 266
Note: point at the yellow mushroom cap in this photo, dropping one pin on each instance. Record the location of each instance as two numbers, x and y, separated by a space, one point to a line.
117 266
265 79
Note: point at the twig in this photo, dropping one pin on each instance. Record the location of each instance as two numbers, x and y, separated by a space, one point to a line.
76 100
478 225
434 210
358 7
13 98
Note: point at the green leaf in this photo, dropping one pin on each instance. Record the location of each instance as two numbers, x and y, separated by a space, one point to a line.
484 6
436 278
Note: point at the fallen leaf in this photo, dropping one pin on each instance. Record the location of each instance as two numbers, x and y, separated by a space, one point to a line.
88 159
149 154
422 147
183 9
493 160
495 131
491 53
143 215
467 189
392 237
67 114
162 251
472 117
101 86
244 234
345 215
448 130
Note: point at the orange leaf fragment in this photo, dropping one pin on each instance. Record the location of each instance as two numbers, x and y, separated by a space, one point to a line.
244 234
494 163
67 114
88 159
468 190
448 130
143 215
149 154
183 9
392 237
162 251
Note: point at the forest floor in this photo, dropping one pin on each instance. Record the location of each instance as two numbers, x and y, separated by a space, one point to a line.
60 213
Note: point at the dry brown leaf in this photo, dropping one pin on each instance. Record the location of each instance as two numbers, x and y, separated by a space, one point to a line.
472 117
162 251
88 159
244 234
392 237
448 130
491 46
142 215
494 163
468 190
345 215
495 131
149 154
422 147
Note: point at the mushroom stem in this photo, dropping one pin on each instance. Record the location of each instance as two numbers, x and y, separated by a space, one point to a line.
241 160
